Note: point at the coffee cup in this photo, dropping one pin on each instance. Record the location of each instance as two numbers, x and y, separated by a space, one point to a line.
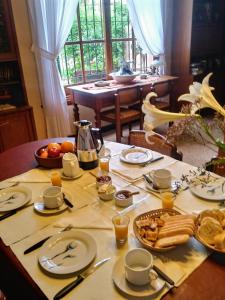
53 197
161 178
138 266
70 165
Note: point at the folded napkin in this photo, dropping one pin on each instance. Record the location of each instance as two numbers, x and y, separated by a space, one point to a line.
95 220
32 176
132 172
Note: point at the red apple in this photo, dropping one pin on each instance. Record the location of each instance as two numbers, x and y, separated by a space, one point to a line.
53 152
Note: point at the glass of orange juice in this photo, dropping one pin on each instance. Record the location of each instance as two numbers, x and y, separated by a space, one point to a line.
56 179
167 199
104 159
121 224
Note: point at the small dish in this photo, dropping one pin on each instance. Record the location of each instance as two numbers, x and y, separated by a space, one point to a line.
106 192
147 290
63 176
104 179
123 198
14 197
40 208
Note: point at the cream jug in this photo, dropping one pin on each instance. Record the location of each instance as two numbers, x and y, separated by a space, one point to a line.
89 142
70 165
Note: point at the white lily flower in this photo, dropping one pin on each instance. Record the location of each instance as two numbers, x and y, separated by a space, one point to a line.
155 117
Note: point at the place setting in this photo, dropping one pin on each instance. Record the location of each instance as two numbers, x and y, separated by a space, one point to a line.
53 200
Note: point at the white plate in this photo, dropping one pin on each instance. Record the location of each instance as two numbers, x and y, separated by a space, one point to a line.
82 251
20 196
171 189
40 208
129 289
7 184
211 190
136 155
63 176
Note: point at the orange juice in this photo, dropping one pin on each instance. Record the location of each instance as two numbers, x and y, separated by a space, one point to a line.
121 228
167 199
56 179
104 164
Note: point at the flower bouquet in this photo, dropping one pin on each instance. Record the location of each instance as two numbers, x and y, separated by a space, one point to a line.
188 121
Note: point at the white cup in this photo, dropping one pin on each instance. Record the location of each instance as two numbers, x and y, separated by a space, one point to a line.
70 165
138 266
53 197
161 178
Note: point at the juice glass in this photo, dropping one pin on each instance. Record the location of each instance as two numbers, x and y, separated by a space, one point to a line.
121 224
56 179
167 199
104 159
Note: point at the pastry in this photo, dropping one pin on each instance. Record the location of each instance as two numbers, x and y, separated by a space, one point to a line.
208 228
219 240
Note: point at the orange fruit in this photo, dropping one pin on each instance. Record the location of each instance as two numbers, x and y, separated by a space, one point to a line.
54 145
67 146
44 154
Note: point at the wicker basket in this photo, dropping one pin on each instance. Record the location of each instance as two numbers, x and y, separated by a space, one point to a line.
153 214
198 237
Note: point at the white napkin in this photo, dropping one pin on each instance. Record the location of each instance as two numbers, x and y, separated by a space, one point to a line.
132 173
87 219
34 175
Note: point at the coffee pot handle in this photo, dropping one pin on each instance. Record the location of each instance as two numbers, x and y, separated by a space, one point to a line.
97 135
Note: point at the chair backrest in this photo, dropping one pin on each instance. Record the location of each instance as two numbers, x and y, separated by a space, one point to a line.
128 96
157 143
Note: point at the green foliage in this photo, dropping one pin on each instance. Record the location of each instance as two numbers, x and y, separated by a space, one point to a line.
92 29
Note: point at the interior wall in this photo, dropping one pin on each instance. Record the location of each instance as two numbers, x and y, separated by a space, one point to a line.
23 32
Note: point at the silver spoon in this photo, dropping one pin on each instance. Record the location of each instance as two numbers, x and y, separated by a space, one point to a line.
72 245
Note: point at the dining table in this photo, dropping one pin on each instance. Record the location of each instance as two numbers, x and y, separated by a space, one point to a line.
198 272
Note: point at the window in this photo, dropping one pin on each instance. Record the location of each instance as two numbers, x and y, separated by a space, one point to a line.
100 36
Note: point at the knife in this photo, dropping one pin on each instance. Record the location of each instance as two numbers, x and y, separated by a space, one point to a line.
163 275
151 161
36 246
79 279
68 203
147 179
8 214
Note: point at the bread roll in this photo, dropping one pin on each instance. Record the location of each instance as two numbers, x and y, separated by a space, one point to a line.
175 227
179 224
219 241
172 240
214 213
179 217
175 231
208 229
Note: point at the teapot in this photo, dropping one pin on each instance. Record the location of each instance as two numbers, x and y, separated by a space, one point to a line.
89 142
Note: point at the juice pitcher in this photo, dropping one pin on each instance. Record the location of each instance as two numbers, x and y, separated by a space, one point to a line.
89 142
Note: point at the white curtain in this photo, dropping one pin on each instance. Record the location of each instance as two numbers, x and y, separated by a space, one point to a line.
51 21
146 20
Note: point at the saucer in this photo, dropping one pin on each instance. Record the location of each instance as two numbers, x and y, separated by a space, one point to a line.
132 290
40 208
63 176
170 189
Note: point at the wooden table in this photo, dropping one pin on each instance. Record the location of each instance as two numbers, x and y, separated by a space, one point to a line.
98 98
206 282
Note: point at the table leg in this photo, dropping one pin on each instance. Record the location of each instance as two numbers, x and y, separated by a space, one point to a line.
97 119
76 112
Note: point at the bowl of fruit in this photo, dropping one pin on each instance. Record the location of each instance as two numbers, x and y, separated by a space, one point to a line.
50 156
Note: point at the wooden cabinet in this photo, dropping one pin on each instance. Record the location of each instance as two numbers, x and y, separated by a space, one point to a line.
16 117
16 127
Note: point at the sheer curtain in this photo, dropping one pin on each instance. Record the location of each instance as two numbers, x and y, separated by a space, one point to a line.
147 23
51 21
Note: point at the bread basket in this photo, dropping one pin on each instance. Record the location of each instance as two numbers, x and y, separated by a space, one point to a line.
198 237
153 214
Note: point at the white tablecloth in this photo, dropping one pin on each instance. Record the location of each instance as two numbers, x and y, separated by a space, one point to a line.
27 227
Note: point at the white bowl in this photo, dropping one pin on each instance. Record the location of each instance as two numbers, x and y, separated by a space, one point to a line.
124 78
104 179
107 193
123 202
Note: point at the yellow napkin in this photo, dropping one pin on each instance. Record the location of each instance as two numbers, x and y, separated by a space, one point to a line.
32 176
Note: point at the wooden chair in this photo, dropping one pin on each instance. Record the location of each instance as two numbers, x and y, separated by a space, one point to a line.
124 112
158 143
162 101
